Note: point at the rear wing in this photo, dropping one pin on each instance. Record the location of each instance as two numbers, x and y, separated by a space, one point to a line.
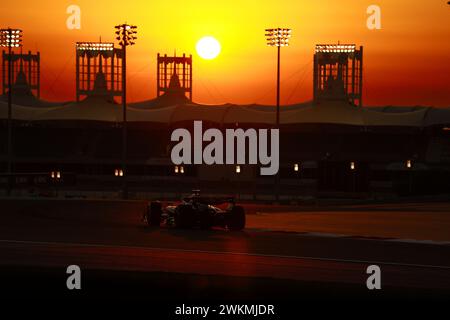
211 200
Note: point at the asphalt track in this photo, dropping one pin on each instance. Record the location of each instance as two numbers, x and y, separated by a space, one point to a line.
43 244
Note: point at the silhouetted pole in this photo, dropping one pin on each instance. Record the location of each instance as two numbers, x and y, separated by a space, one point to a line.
11 38
278 37
9 165
126 36
124 124
277 176
278 87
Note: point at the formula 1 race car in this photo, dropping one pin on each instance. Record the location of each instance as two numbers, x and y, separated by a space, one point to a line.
197 211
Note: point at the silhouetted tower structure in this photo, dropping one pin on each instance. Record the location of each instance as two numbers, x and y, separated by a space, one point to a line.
25 72
174 72
98 61
338 73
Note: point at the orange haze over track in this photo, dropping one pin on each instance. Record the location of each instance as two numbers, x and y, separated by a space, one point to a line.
407 62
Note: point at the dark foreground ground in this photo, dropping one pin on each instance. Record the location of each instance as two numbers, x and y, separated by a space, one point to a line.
39 283
120 258
157 295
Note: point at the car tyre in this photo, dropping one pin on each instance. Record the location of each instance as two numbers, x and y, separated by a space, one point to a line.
154 214
185 217
206 220
236 219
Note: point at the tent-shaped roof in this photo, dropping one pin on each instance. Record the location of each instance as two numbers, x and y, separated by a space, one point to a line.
94 108
103 108
22 94
175 95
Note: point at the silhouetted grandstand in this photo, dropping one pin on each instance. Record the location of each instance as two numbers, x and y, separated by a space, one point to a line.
329 146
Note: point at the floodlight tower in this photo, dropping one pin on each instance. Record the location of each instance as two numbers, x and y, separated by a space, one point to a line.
278 37
126 35
25 69
10 38
338 73
94 59
170 67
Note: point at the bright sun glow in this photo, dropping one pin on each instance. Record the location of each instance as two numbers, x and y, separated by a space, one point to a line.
208 48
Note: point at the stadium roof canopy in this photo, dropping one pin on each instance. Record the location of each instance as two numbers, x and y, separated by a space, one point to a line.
173 107
23 95
96 108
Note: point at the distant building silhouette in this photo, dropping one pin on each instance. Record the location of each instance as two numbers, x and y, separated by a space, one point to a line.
329 147
338 73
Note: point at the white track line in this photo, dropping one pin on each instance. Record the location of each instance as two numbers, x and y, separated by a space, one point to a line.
433 242
356 237
88 245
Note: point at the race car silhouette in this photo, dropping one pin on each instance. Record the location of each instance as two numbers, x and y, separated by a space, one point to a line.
197 211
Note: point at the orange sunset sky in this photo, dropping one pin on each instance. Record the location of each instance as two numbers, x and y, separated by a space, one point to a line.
406 62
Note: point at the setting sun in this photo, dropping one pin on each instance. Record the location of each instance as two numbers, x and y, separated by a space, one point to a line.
208 48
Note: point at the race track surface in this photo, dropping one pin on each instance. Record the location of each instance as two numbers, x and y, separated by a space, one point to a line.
118 242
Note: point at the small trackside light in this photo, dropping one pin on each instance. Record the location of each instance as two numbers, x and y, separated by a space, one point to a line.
409 164
55 175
